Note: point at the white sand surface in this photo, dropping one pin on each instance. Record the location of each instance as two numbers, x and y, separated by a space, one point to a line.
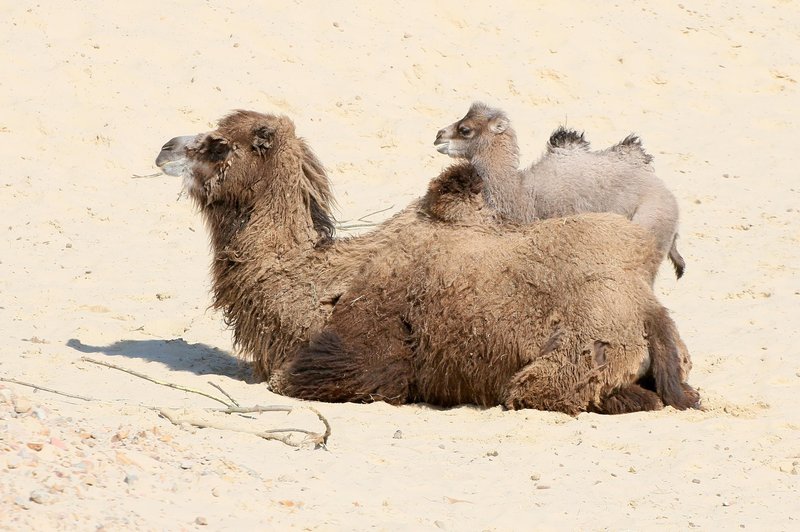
96 263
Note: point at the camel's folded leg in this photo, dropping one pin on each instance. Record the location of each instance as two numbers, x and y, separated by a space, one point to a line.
554 381
596 380
629 398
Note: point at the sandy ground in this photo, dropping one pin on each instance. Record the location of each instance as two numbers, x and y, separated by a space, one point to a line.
96 263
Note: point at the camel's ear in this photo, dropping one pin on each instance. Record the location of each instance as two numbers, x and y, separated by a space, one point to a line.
262 138
498 124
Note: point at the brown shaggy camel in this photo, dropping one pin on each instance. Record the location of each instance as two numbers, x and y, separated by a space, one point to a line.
548 316
568 179
278 273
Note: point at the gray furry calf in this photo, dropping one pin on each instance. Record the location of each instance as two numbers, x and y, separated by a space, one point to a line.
568 179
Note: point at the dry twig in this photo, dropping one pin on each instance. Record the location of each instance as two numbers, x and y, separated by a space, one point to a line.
42 388
226 394
151 379
319 440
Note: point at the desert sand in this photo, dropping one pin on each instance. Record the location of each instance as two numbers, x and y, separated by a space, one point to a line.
97 262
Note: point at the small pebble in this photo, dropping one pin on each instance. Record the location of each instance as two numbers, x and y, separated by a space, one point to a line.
8 395
696 481
22 503
39 496
398 435
542 487
38 413
492 453
200 520
187 465
536 476
130 478
22 405
216 492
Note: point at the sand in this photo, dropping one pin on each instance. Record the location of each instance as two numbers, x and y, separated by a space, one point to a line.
98 263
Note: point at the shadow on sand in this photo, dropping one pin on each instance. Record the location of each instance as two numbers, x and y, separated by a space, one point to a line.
176 354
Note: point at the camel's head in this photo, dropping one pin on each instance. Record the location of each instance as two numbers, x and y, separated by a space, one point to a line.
473 133
250 157
455 196
229 162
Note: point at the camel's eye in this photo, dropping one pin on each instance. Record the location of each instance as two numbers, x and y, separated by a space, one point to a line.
464 131
217 150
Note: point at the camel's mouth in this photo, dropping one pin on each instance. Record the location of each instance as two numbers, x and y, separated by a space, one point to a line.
175 168
442 146
449 147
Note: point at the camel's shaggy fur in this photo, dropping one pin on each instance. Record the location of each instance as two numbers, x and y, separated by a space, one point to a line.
559 315
278 274
568 179
277 271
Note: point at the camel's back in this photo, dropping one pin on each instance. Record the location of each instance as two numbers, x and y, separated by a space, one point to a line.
577 181
573 245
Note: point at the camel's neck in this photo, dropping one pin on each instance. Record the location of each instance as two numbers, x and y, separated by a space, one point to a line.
498 164
264 279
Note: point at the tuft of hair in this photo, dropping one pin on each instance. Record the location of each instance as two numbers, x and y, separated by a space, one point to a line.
480 109
677 260
328 370
632 145
318 194
567 139
462 179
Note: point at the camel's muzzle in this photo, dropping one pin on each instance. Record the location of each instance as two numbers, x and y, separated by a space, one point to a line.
172 158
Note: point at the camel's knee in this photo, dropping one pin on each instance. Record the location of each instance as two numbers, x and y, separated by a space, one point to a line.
546 385
627 399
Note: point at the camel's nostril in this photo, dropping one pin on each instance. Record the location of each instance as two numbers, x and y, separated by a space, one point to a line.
439 135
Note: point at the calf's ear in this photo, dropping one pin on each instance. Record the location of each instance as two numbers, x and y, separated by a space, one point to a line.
498 124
